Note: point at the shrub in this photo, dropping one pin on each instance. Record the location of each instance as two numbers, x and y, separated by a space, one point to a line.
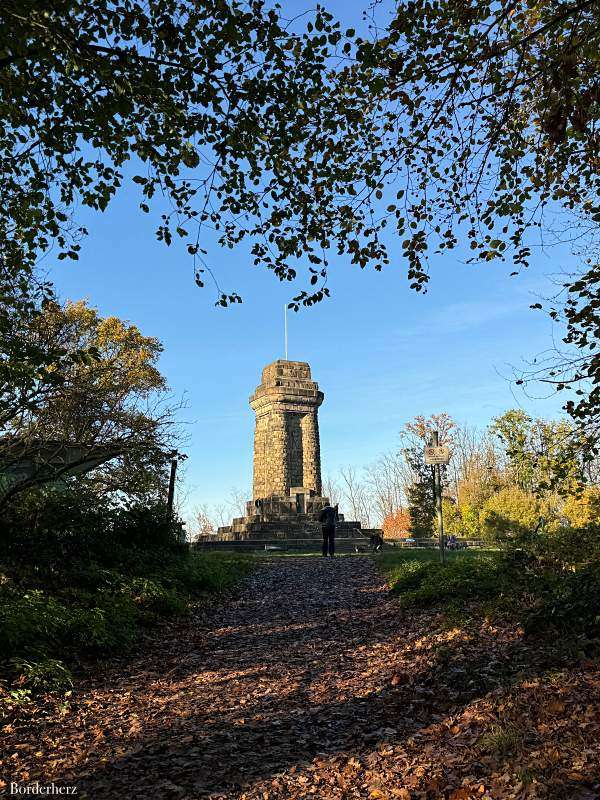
209 572
153 597
95 610
563 551
81 578
569 605
108 626
75 524
551 581
31 623
37 624
47 675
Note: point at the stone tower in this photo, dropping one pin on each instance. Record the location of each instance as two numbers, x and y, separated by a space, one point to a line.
286 497
287 458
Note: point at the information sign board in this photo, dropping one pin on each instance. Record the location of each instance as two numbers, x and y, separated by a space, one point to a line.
439 454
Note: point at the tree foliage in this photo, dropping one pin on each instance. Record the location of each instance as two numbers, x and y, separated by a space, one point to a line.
95 391
541 454
471 117
582 317
574 366
456 121
32 365
515 472
510 511
583 509
421 500
487 113
115 400
217 103
396 525
420 494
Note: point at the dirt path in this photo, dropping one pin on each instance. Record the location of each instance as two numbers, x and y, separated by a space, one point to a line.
312 683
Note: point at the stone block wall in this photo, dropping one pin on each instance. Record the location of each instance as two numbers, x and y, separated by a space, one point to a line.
286 434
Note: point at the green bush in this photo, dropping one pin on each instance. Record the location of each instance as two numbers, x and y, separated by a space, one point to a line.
76 524
93 610
109 625
31 623
568 605
82 577
566 550
48 675
36 625
209 572
154 597
551 582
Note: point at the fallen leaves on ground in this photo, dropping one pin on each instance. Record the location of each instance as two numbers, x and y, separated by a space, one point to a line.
312 683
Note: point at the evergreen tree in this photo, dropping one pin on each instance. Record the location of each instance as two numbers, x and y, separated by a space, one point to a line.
420 496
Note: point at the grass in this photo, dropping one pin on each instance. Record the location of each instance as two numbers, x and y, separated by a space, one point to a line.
420 579
421 553
389 559
537 588
299 553
501 740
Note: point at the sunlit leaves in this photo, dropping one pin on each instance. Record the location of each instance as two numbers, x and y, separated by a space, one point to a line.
457 124
219 101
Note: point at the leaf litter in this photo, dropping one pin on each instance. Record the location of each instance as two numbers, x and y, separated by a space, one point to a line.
311 682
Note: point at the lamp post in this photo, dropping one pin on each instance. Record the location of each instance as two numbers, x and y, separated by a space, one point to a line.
171 493
175 456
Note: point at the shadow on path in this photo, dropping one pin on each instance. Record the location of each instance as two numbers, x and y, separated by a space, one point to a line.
312 662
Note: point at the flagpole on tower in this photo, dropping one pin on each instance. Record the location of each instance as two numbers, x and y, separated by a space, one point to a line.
285 328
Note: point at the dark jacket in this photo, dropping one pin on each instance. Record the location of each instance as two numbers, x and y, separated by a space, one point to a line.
329 516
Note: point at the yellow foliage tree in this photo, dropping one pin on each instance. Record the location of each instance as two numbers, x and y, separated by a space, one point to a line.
453 524
584 509
510 511
110 395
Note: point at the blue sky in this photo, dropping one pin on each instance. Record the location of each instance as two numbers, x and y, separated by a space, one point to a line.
380 352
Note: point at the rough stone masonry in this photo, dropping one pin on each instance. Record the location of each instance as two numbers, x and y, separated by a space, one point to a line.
286 437
286 498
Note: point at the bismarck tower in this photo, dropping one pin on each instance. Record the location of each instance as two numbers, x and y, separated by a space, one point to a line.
287 457
287 492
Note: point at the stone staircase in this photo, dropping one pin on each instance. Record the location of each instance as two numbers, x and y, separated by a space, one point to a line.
296 526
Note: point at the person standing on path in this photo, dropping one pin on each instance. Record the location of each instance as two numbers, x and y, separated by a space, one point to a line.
328 518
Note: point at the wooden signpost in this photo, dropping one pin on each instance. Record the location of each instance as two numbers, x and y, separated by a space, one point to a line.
435 455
